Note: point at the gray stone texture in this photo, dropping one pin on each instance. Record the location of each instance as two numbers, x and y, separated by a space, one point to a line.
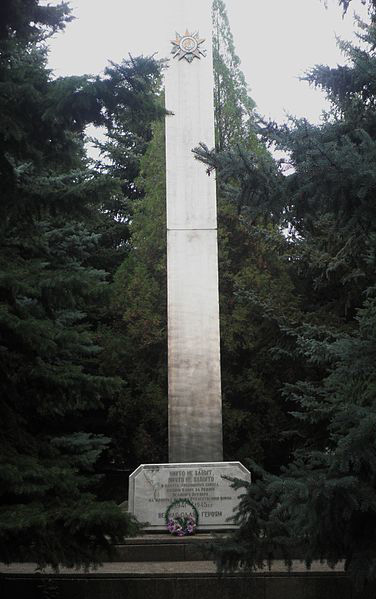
195 412
153 487
180 586
165 548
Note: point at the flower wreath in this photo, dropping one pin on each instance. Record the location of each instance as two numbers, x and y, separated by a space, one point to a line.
181 525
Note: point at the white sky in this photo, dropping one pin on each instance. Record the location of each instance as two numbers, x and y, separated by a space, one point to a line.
276 40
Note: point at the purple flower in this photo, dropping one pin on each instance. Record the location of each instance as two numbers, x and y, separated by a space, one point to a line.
181 525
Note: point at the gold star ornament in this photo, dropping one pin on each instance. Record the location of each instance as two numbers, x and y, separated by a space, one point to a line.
188 46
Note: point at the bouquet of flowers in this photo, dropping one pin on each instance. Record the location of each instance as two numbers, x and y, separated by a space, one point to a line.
181 524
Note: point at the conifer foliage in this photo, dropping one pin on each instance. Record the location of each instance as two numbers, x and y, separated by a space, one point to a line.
234 108
135 341
49 375
324 500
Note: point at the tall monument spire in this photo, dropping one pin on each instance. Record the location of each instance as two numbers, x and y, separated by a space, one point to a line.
193 482
195 413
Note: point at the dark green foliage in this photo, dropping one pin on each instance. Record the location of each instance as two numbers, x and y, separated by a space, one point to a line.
26 20
257 298
234 108
138 352
51 383
324 501
252 263
255 290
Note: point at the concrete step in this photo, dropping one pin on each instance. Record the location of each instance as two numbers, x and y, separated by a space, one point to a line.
176 580
171 577
164 548
184 568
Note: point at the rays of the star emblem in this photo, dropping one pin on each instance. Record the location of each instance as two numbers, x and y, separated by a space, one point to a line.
188 46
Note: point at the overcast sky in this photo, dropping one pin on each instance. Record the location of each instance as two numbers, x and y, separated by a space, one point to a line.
276 40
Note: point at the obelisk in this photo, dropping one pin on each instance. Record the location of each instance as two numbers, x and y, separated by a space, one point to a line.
195 481
194 378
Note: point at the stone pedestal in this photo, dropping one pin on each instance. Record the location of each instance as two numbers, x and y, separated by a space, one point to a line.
153 487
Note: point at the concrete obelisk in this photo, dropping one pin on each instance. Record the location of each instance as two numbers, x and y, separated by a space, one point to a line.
194 481
195 414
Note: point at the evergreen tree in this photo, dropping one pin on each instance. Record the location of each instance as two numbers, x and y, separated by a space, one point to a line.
252 256
324 501
234 108
257 300
135 342
49 377
346 3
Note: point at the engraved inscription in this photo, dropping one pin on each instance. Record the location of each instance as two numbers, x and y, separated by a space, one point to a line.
155 488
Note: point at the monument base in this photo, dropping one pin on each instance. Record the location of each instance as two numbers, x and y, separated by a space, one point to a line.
154 487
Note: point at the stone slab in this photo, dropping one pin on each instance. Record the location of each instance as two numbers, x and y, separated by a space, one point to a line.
279 570
153 487
194 377
165 548
308 587
191 193
165 552
198 586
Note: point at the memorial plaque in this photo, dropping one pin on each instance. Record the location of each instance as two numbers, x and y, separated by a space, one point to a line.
153 487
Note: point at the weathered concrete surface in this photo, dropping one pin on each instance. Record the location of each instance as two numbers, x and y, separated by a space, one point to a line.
191 193
175 581
195 420
173 567
195 409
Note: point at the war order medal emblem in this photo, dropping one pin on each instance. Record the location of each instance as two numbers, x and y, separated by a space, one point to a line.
188 46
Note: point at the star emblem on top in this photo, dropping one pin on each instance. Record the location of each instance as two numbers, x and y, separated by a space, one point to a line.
188 46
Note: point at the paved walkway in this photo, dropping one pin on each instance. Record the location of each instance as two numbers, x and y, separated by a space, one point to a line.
169 568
